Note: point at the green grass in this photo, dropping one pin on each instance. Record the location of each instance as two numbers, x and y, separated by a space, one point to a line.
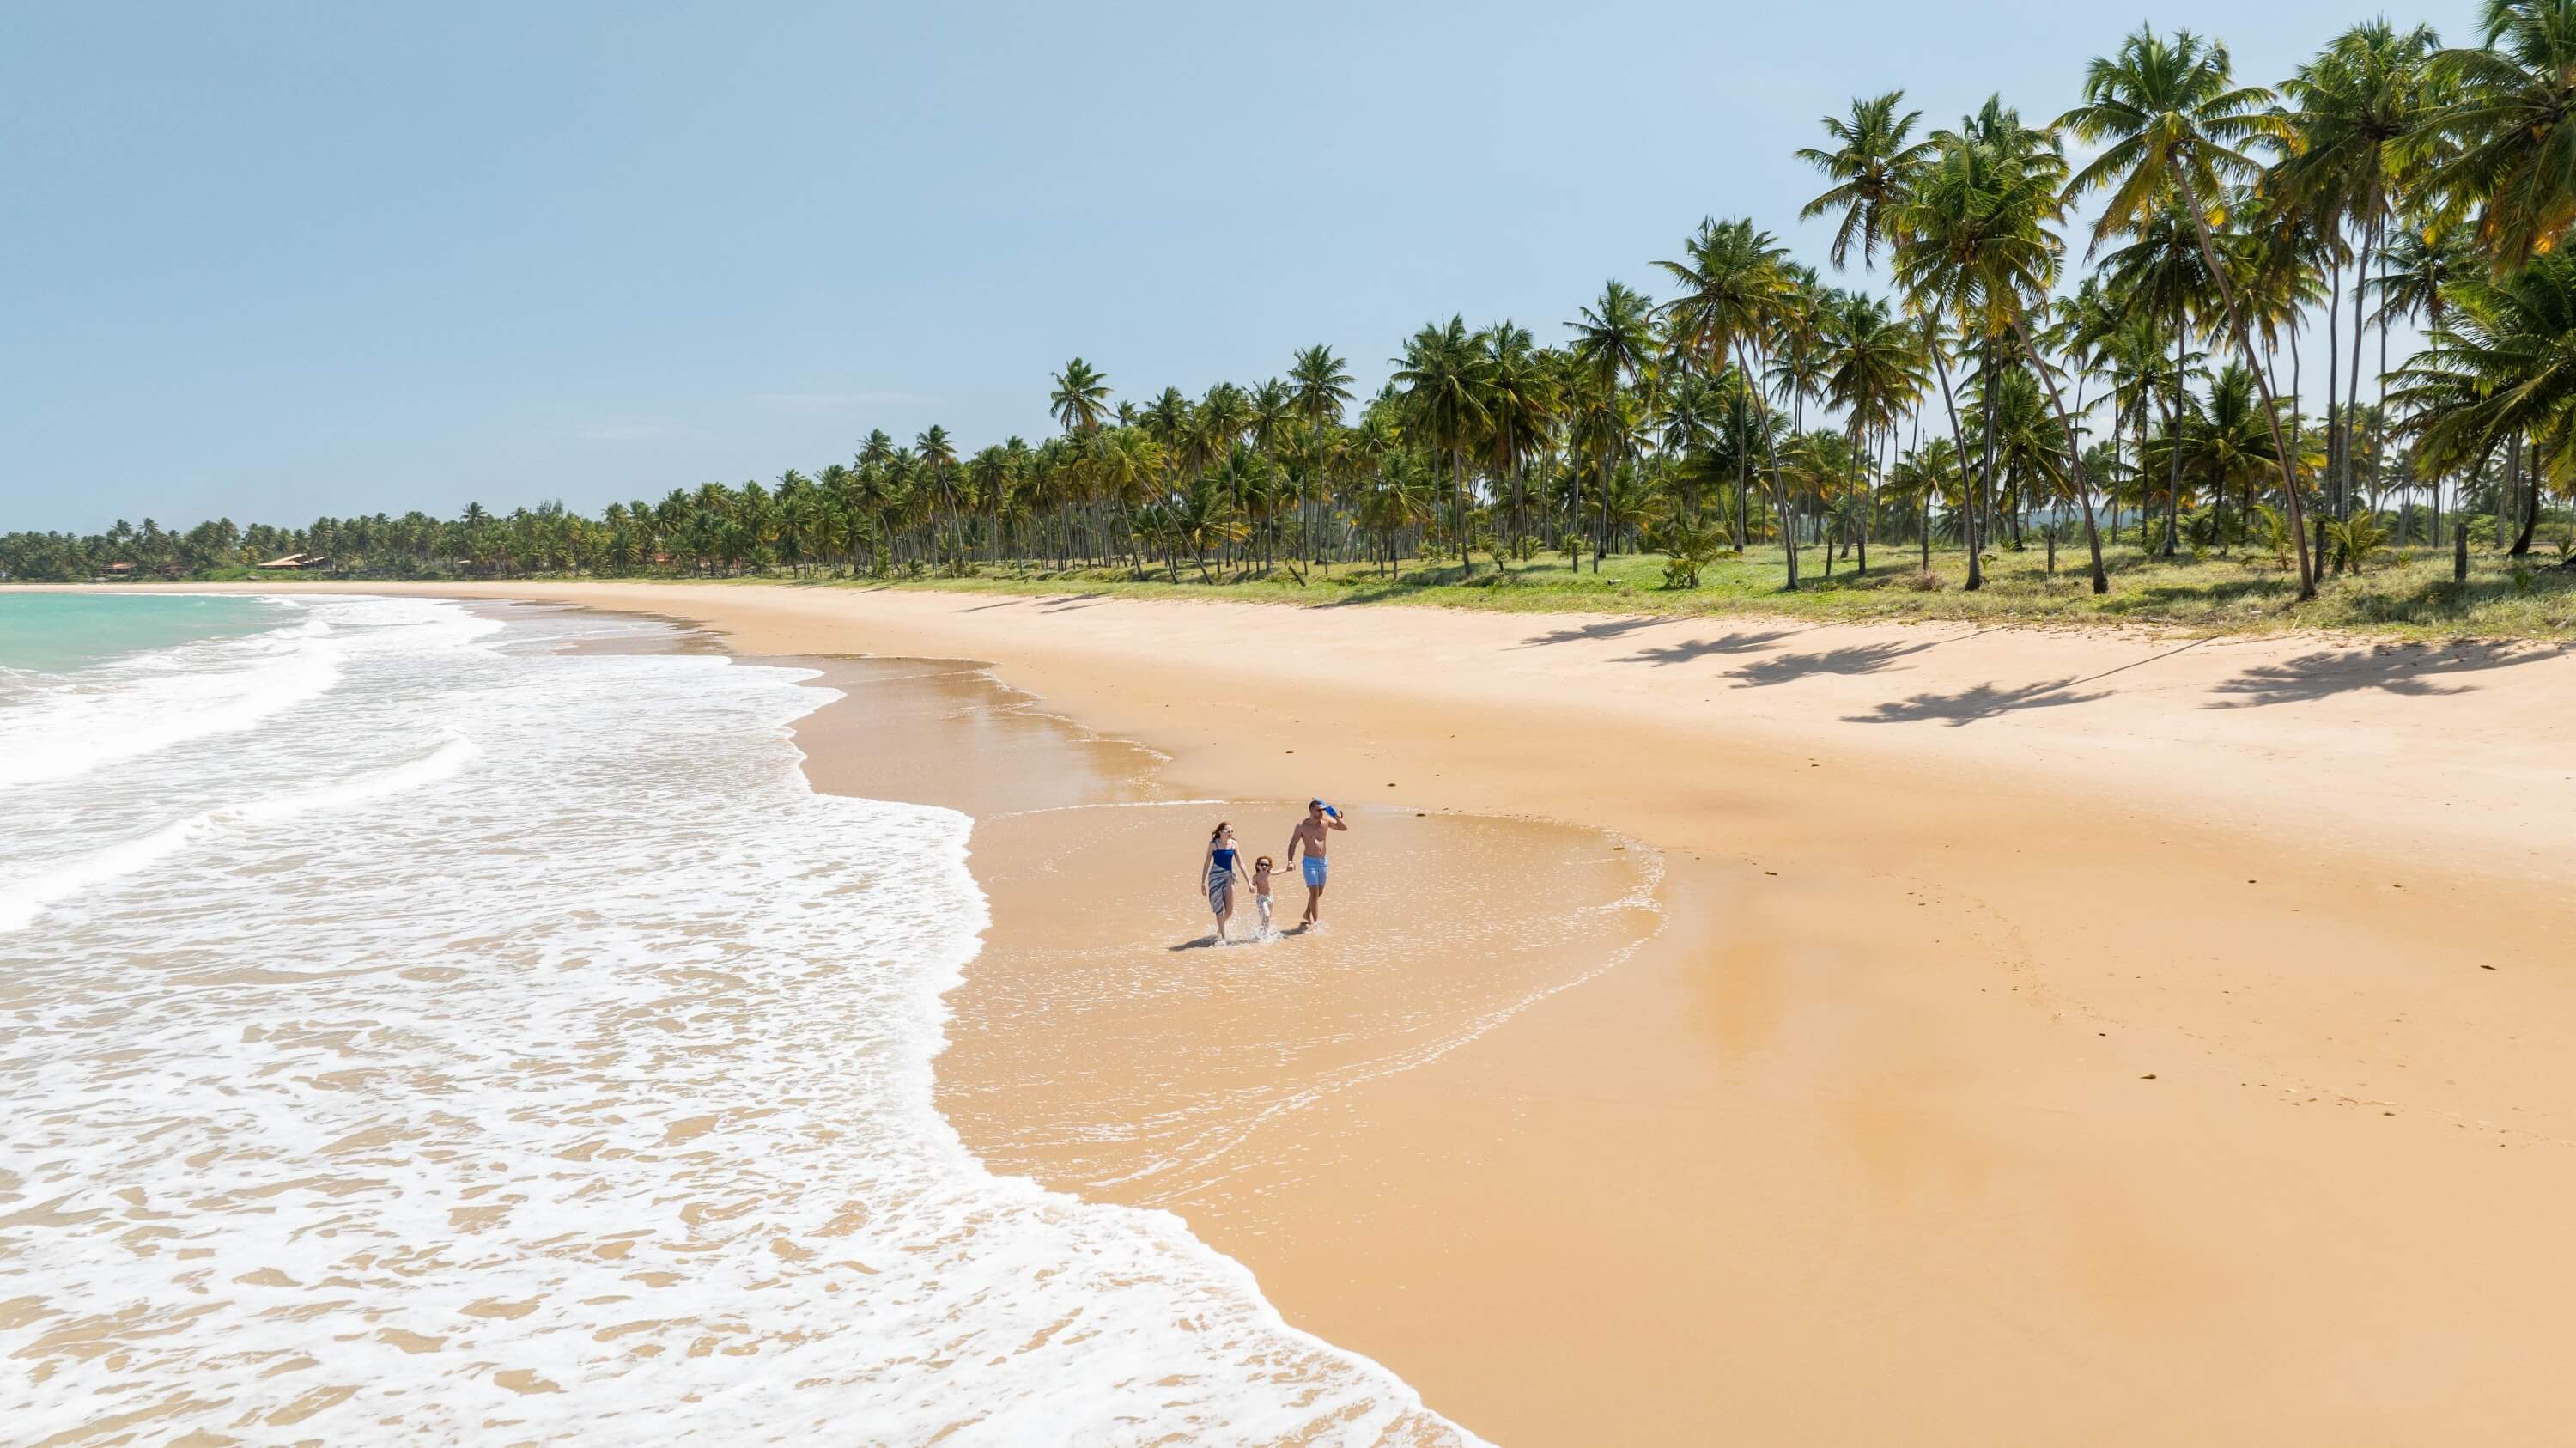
2406 593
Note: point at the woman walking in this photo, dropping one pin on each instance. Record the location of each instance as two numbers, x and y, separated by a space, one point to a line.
1217 872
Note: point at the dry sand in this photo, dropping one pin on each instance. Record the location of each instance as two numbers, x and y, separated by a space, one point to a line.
2038 1037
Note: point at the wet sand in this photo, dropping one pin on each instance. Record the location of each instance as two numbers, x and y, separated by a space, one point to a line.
1105 1042
2045 1038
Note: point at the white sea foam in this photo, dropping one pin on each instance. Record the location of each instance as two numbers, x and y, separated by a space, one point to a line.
21 904
66 728
510 1045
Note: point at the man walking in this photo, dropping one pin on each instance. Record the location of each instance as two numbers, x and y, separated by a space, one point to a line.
1309 836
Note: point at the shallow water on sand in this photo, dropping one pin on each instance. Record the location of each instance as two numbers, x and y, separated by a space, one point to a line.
1107 1040
1331 1107
472 1040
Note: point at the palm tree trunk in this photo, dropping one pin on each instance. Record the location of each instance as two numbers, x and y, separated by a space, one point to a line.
1601 496
1984 486
2508 485
2334 372
2530 504
1869 495
1771 456
2075 456
2173 434
1914 421
2352 400
2460 538
1959 442
1127 520
1743 464
1458 508
2378 462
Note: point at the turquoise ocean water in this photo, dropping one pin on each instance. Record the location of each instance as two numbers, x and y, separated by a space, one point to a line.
56 633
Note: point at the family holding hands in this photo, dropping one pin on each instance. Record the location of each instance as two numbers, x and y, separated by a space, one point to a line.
1223 862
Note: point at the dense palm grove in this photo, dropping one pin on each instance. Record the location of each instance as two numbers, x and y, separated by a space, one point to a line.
1993 399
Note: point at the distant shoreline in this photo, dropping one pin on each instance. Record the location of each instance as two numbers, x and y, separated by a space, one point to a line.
2410 599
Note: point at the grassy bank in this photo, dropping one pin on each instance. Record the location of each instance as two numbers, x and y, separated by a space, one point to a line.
2406 593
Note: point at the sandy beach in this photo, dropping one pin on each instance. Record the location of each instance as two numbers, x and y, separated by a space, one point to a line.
1735 1031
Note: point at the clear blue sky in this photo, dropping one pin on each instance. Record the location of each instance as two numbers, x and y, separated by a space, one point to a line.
274 260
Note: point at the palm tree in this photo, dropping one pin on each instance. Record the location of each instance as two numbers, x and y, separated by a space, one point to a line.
1321 387
1080 399
1873 157
2285 266
1397 498
1875 372
1688 425
1222 416
2416 271
2420 267
2231 449
2507 104
2029 463
1613 342
1974 242
2175 120
1520 404
1204 517
1171 421
1733 277
2501 367
2163 274
2357 112
1239 476
1272 413
1923 476
1442 374
1130 467
937 454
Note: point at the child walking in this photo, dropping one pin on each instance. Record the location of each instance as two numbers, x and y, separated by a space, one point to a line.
1261 891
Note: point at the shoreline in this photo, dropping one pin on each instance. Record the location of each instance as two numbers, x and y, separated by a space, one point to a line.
2410 597
1029 780
1957 1099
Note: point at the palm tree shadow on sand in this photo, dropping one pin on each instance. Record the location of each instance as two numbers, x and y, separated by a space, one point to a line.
1666 655
1609 629
1787 668
2411 673
1985 701
1855 660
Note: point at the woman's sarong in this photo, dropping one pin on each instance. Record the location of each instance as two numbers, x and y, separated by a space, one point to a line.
1220 891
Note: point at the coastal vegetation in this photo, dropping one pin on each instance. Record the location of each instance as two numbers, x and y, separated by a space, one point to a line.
2054 371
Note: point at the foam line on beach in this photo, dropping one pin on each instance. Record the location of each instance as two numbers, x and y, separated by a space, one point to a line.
1013 814
21 905
141 706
